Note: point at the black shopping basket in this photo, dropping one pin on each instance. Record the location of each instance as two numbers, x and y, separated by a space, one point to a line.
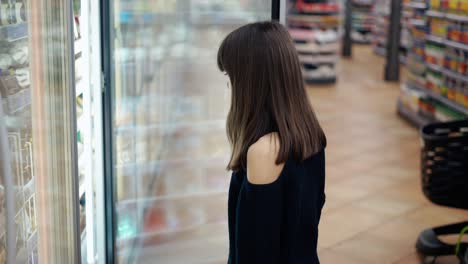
444 171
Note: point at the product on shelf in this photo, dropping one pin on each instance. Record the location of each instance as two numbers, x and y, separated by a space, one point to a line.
434 53
438 27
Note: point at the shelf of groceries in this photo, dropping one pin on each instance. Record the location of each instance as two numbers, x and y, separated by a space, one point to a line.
437 84
381 12
314 28
362 21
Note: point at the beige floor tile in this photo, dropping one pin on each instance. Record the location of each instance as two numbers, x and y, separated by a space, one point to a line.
343 223
332 257
372 249
413 258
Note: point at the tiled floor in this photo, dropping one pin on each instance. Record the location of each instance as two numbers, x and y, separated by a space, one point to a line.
375 208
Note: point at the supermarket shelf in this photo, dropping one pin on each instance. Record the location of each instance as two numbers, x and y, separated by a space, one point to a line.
417 22
433 13
316 19
14 32
16 122
148 236
447 72
416 5
330 80
18 102
151 165
319 60
441 99
172 197
212 124
414 118
439 14
316 13
447 42
456 45
435 39
457 17
369 4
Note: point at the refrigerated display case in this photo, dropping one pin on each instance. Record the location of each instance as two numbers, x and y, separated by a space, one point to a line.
38 155
49 124
167 105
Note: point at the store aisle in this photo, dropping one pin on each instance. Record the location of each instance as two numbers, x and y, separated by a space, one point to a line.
375 208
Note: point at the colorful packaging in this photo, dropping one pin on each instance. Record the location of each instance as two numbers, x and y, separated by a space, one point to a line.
465 31
438 27
460 96
452 5
434 81
443 88
451 92
434 54
463 62
464 7
465 91
454 31
435 4
451 59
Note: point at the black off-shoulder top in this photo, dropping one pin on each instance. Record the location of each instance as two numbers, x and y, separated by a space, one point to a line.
277 222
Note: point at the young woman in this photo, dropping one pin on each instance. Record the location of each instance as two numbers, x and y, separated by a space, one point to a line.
277 187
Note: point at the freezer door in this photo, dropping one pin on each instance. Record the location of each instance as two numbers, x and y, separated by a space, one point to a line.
38 155
165 109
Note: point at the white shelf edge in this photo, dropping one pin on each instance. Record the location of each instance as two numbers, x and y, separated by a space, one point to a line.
416 5
447 42
447 72
433 13
417 22
172 197
435 39
456 45
440 14
456 17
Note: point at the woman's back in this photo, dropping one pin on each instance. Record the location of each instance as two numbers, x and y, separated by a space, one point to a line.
277 222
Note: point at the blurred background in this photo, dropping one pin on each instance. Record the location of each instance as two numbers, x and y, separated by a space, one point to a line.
112 132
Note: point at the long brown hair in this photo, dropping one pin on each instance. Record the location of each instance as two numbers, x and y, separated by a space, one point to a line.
268 94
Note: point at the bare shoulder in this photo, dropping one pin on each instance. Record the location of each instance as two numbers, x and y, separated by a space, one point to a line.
261 160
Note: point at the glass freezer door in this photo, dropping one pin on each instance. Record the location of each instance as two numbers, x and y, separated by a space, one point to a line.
38 152
165 107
